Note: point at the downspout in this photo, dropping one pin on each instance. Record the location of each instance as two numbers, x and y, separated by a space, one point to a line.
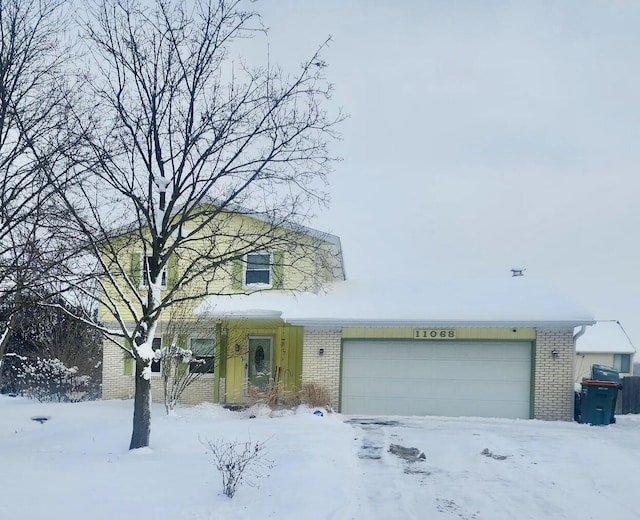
316 272
220 357
583 329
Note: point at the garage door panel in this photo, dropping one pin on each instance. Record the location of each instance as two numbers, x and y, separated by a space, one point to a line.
489 379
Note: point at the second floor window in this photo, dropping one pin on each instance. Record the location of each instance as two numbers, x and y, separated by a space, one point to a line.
145 273
258 269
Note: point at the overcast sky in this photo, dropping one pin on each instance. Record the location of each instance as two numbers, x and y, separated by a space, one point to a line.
484 136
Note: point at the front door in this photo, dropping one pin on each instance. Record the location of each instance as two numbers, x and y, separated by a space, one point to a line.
258 366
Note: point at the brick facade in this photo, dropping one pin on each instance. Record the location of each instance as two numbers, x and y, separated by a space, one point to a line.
118 385
324 368
553 388
115 384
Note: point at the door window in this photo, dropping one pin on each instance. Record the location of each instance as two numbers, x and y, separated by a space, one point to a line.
258 365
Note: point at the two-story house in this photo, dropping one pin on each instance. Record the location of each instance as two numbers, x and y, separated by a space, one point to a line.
241 355
400 344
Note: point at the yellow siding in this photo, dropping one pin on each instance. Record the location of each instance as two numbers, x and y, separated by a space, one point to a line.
287 356
462 333
299 261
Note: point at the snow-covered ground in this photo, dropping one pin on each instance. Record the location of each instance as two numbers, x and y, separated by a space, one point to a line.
76 466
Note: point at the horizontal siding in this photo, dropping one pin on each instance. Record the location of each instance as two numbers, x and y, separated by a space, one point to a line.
463 333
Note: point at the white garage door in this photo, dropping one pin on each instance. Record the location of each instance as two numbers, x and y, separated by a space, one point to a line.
482 379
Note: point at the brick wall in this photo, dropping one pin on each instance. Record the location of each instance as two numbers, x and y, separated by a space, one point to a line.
323 369
117 385
553 394
200 391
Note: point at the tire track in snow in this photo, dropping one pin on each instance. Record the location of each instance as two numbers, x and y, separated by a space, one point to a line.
383 490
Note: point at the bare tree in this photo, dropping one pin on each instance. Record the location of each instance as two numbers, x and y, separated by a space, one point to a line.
182 364
182 139
34 102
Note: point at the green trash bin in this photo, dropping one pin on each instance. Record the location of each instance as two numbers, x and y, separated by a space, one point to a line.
605 373
598 401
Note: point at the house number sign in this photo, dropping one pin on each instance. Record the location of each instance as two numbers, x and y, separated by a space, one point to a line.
434 334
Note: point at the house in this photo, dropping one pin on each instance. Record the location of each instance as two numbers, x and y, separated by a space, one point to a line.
605 343
498 348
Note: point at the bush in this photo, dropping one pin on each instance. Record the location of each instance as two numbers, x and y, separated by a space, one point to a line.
237 462
315 395
48 380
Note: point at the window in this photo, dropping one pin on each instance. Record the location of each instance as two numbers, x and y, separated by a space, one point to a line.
203 351
155 364
622 362
144 278
258 269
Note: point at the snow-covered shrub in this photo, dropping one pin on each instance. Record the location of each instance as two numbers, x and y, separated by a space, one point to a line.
49 380
238 462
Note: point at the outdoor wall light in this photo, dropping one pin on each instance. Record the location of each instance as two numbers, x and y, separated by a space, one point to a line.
237 348
554 353
321 352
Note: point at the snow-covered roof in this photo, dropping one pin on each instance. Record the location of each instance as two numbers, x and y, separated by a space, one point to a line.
231 207
605 336
507 301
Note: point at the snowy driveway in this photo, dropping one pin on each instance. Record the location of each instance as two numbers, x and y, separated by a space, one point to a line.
325 467
496 469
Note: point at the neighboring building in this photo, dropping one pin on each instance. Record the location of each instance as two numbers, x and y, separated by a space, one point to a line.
504 348
605 343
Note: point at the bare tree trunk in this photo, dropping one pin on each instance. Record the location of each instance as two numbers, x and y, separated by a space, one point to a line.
141 411
4 339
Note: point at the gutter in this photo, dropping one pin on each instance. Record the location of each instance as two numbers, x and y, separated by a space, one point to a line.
338 323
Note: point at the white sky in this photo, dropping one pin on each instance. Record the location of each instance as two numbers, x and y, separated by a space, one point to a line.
483 136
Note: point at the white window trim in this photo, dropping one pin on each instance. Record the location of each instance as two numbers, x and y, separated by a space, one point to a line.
215 356
143 278
246 264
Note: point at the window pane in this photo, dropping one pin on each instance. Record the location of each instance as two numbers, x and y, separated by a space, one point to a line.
622 362
258 277
205 365
203 346
258 261
145 273
155 364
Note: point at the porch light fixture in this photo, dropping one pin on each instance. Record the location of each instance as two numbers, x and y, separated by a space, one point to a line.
554 353
321 352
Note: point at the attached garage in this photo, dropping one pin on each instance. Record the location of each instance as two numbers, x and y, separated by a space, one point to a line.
461 378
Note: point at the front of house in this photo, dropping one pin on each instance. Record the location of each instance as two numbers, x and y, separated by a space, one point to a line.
502 349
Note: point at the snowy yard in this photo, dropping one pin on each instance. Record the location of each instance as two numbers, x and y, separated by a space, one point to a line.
76 466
